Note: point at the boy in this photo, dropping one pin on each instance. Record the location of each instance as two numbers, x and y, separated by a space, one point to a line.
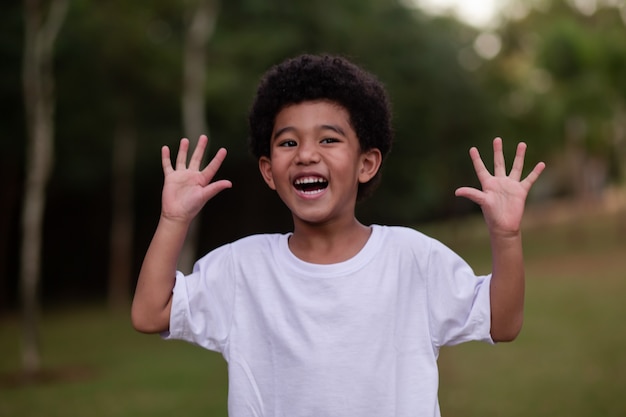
336 318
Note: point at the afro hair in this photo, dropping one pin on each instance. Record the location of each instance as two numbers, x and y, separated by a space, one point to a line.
323 77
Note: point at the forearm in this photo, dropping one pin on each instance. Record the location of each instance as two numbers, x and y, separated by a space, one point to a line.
507 287
502 201
153 295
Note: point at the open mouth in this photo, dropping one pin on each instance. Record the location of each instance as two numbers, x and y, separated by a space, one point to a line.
310 185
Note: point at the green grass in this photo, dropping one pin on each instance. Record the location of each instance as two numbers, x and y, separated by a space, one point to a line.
570 359
99 366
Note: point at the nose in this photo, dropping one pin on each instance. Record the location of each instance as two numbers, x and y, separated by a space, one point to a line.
307 153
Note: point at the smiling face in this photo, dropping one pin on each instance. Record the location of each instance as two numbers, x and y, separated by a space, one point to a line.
316 162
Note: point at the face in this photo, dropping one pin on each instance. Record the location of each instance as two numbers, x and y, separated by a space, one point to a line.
316 162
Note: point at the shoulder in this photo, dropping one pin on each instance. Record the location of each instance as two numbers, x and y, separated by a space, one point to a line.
400 242
249 244
260 241
407 240
403 236
259 247
249 247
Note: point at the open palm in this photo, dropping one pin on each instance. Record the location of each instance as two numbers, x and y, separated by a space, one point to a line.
186 189
502 197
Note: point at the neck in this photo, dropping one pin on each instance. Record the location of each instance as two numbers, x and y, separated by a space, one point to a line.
328 243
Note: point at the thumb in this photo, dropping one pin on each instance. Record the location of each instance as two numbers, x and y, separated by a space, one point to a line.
470 193
215 188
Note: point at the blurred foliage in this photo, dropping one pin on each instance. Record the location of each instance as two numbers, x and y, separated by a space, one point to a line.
560 80
557 82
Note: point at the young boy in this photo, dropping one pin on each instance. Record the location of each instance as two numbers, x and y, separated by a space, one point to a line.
336 318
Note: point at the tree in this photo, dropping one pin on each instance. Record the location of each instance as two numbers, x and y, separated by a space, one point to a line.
119 76
122 214
200 19
126 77
43 20
557 78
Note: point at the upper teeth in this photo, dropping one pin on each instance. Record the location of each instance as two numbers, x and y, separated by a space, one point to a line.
309 180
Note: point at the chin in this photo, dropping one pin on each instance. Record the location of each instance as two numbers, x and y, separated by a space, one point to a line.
312 219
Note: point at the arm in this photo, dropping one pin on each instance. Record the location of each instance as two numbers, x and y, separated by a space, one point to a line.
502 202
185 191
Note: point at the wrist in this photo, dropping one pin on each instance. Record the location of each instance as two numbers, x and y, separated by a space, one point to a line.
175 221
505 239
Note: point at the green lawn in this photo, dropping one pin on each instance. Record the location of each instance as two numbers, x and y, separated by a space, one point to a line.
99 366
570 359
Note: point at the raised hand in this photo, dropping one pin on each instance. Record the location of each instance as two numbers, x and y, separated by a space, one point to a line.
186 189
503 196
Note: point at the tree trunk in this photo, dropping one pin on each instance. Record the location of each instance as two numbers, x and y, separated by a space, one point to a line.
200 23
122 224
619 142
41 30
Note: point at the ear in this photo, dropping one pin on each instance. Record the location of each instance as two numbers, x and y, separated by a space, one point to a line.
370 164
265 166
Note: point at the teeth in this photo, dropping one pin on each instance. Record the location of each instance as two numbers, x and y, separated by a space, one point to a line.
312 191
310 180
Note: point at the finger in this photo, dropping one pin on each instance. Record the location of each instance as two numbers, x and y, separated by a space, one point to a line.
181 158
166 162
499 166
198 153
479 165
472 194
211 169
534 174
518 162
215 188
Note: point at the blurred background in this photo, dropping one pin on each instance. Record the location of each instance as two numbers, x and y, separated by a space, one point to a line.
90 91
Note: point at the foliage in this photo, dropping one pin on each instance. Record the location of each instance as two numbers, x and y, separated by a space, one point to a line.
559 79
557 68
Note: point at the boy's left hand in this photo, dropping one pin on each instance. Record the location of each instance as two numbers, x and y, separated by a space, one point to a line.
503 196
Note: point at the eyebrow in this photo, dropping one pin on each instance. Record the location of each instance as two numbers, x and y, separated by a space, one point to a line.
334 128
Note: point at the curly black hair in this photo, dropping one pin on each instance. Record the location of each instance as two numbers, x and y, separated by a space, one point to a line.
323 77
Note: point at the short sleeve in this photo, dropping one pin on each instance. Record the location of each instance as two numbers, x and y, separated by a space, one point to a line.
202 302
459 300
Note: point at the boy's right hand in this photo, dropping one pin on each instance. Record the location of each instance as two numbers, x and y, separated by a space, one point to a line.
186 189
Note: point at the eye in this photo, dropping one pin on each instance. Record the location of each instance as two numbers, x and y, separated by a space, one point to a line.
287 143
329 140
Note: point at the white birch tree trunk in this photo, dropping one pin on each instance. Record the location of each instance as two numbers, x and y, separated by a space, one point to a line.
199 25
43 21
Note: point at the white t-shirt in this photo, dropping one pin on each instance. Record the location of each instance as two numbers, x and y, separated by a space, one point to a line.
356 338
